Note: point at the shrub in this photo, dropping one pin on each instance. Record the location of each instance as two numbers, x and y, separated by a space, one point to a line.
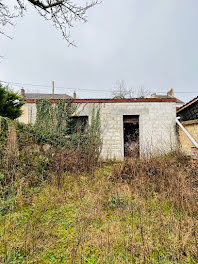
10 106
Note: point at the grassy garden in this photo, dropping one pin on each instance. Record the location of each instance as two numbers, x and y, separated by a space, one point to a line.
60 204
96 217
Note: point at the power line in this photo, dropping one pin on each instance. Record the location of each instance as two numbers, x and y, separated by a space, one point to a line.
182 92
49 86
80 89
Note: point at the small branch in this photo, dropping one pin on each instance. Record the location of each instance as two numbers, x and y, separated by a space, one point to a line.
3 33
63 13
43 6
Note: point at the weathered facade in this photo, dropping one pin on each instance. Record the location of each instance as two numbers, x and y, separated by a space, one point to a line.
153 121
188 114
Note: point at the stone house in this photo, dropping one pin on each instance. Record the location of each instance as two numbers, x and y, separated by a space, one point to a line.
169 95
188 115
34 96
128 126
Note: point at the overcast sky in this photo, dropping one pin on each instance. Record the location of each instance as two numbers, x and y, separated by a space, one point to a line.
149 43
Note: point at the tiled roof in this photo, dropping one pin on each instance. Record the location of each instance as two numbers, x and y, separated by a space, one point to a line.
187 104
43 96
168 97
134 100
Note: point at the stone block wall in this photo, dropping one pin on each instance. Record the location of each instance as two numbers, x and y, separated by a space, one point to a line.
157 126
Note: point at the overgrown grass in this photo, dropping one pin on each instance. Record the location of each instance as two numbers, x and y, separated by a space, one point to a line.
132 212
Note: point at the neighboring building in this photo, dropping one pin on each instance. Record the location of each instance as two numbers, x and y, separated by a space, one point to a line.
188 114
147 125
169 95
28 96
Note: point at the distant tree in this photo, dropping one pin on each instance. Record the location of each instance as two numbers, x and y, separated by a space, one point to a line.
142 92
122 91
10 106
61 12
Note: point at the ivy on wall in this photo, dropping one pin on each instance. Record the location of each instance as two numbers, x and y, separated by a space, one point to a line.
54 124
53 119
4 126
25 157
95 131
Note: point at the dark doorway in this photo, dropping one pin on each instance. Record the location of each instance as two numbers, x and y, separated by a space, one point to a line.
131 135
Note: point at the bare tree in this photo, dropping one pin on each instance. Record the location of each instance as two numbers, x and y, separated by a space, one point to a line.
122 91
62 13
142 92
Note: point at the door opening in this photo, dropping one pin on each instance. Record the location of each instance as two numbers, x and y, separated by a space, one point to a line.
131 135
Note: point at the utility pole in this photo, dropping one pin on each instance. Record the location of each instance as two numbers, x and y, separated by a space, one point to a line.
53 89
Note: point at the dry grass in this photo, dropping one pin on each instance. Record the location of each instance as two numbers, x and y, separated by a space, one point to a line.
140 211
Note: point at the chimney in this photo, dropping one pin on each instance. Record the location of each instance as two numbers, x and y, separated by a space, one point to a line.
22 93
170 93
74 95
154 95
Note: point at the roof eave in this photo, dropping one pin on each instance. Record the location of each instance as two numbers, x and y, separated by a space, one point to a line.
135 100
187 104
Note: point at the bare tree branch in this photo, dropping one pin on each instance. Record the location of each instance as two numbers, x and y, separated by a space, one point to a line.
40 4
122 91
63 13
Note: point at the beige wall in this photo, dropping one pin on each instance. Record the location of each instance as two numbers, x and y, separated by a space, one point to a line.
24 118
157 125
192 128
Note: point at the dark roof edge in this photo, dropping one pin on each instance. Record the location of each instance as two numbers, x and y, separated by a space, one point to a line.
187 104
136 100
45 96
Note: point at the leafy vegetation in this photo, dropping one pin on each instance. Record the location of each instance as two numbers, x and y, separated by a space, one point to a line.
61 205
10 106
55 125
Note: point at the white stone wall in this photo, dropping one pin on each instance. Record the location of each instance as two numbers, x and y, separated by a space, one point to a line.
157 133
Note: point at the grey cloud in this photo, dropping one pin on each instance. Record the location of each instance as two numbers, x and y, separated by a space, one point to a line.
153 43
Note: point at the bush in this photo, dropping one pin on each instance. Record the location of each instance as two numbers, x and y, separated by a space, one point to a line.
10 106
